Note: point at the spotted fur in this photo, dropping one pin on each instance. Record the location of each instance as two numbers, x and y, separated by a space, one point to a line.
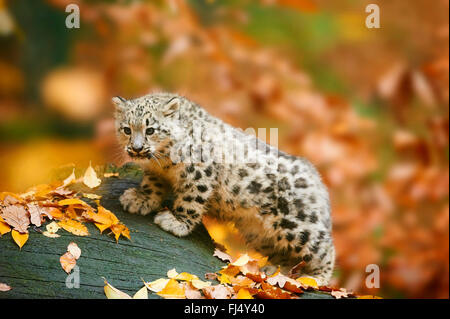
276 200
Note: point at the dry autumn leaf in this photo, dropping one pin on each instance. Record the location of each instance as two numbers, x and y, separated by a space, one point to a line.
114 293
222 256
74 250
4 227
74 227
67 262
4 287
19 238
243 293
157 285
141 294
70 179
17 217
90 178
35 214
173 290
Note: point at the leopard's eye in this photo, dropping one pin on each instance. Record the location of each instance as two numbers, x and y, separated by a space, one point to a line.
150 131
127 130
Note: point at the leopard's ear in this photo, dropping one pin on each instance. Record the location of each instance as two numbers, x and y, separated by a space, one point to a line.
171 107
120 103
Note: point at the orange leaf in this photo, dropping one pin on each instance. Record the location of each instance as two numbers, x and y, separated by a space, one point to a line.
19 238
173 290
244 294
67 262
72 201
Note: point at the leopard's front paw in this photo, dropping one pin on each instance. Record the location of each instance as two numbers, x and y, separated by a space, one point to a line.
170 223
135 202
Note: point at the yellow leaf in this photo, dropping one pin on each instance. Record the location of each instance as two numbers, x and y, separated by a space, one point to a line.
72 201
157 285
69 180
200 284
244 294
141 294
308 282
50 235
19 238
224 279
241 261
230 271
172 273
4 227
92 196
173 290
74 227
120 229
114 293
368 297
90 178
52 227
102 227
185 277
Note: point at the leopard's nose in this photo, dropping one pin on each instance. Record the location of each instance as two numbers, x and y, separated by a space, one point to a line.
137 149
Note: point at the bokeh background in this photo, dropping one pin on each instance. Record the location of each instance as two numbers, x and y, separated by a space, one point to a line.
369 107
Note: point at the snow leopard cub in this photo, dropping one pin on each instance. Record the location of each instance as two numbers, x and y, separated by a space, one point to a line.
277 201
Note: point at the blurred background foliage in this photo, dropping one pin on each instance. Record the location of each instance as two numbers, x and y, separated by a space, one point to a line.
369 107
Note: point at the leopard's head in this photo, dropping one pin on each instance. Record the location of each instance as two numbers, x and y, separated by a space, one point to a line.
147 127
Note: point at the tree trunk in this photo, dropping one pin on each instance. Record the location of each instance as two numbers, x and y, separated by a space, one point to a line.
35 270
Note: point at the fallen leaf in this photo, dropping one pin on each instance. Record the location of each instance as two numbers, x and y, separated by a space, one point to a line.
74 227
67 262
369 297
217 292
341 293
172 273
92 196
308 282
52 227
241 261
200 284
4 287
90 178
72 201
17 217
157 285
74 250
222 256
4 227
35 214
243 293
19 238
192 293
173 290
70 179
120 229
114 293
141 294
50 235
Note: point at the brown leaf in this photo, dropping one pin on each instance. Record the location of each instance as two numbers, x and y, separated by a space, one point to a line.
17 217
35 214
67 262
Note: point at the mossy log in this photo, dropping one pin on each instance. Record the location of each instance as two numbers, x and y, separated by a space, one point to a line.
35 271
